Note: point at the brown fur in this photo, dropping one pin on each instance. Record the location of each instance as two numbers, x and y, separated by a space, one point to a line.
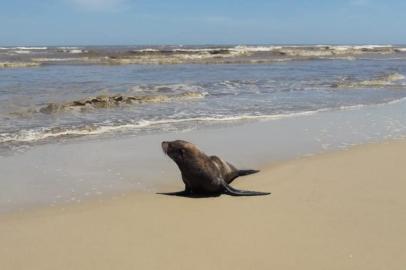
204 174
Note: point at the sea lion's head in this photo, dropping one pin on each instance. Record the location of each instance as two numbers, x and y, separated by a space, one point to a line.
180 151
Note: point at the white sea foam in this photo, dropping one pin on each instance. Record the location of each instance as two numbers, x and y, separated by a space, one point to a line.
396 101
22 52
77 51
371 47
18 64
378 81
34 135
360 106
73 50
257 48
314 50
182 50
55 59
169 88
31 48
147 50
353 107
358 47
68 48
198 50
320 46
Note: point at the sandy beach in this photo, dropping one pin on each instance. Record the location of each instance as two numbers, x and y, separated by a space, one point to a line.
339 210
304 102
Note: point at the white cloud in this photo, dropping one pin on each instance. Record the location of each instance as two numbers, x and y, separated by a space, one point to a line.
99 5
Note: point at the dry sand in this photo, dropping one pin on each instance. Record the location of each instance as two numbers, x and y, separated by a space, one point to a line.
343 210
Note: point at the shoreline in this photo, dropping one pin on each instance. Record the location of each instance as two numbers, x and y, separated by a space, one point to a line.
176 183
71 172
336 210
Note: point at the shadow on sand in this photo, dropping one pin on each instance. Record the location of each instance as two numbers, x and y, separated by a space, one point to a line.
189 195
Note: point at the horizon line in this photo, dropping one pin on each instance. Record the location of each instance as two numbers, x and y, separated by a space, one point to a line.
199 44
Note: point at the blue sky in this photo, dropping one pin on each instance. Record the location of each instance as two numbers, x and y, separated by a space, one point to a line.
85 22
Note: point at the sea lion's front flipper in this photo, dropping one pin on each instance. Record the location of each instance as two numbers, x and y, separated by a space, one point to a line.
246 172
236 192
187 192
177 193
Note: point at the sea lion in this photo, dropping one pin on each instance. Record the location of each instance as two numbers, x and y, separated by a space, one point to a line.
202 174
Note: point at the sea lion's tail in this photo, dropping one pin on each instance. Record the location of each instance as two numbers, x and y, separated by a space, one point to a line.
246 172
237 192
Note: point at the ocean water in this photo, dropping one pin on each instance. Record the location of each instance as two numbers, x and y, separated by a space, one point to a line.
83 122
48 94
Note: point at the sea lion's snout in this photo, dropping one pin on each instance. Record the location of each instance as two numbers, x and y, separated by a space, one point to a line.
174 149
165 146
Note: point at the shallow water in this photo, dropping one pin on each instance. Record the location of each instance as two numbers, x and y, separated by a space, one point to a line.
73 171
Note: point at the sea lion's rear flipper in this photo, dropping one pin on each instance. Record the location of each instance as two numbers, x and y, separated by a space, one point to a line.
246 172
238 173
236 192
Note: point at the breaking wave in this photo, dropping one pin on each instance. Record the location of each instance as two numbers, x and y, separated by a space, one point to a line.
43 134
33 135
292 50
30 48
167 88
241 54
72 50
273 52
106 101
383 80
52 60
18 64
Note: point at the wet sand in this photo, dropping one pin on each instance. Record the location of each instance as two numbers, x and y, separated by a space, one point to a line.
340 210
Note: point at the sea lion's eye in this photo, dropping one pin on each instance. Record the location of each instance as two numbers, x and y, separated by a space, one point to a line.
181 152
